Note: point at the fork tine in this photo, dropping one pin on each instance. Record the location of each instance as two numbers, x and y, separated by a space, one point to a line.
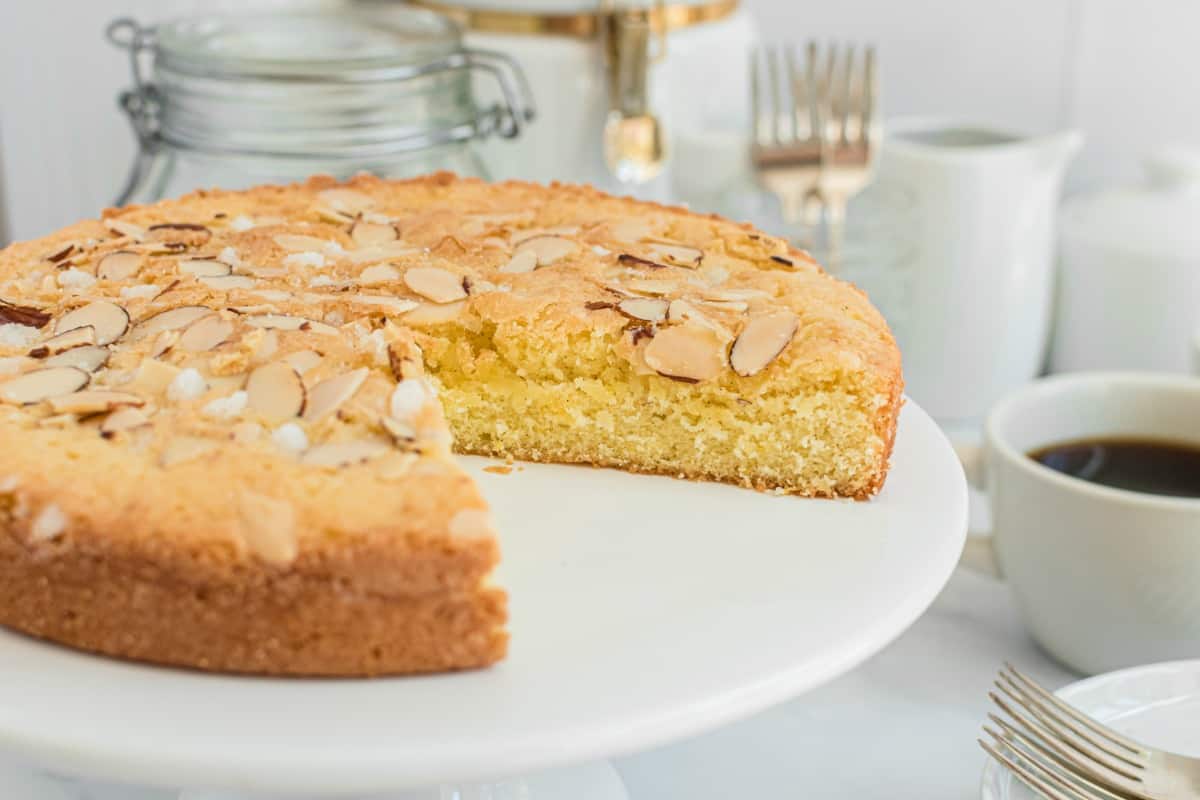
1068 709
775 86
1064 780
799 96
870 97
812 79
1051 714
846 91
1097 765
831 111
1048 751
1029 778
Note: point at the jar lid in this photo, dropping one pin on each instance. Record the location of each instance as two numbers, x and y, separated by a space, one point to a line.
351 45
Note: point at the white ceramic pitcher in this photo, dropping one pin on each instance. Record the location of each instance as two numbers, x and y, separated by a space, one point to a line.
969 245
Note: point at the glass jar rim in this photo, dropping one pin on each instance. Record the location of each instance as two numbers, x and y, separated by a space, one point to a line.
356 45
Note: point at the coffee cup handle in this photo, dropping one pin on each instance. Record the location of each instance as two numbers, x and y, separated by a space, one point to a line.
979 554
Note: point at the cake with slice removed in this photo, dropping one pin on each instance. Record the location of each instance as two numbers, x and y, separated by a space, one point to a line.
227 420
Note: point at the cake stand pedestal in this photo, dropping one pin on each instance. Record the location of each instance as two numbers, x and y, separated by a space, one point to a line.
644 610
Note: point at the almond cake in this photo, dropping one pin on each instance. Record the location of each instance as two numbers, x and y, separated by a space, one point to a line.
227 420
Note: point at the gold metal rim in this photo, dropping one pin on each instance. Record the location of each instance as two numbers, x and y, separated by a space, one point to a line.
583 25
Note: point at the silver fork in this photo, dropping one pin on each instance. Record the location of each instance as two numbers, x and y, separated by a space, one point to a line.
1062 754
787 129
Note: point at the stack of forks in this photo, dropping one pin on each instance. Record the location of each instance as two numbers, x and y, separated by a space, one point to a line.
815 133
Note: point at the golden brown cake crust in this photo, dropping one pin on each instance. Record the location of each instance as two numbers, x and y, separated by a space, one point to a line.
209 533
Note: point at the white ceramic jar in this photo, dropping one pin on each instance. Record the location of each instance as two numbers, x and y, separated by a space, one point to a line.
1129 282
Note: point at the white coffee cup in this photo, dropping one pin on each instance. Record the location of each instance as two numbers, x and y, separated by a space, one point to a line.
1105 578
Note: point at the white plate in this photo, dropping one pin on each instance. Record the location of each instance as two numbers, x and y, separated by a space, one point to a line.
1158 705
644 609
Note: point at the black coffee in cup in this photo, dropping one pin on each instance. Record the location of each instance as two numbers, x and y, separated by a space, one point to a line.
1152 466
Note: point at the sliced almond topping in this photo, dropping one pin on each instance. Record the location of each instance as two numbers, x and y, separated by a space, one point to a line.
187 234
109 320
267 346
285 322
205 334
22 315
402 433
761 341
347 201
300 243
735 306
523 261
204 267
396 305
518 237
226 282
163 342
436 314
548 249
76 337
328 395
629 230
123 228
380 252
688 352
733 295
89 358
343 454
93 401
119 265
123 419
268 527
626 260
683 311
678 254
303 360
372 233
185 448
172 320
42 384
377 274
436 284
275 391
644 308
652 286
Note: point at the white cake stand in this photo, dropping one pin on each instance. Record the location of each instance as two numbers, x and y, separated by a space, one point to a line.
644 610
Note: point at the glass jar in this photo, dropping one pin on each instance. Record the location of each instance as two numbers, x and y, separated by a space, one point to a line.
235 101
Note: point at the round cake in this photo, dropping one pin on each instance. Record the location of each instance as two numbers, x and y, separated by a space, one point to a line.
228 420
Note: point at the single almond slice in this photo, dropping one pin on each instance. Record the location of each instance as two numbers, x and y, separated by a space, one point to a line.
88 358
734 306
22 315
652 286
761 341
172 320
303 360
688 352
187 234
154 376
163 342
123 228
677 254
436 284
380 252
123 418
523 261
648 309
275 391
403 434
300 243
286 322
627 260
68 340
204 267
629 231
435 314
205 334
344 454
109 320
346 201
548 249
373 233
93 401
396 305
517 237
185 448
377 274
329 395
119 265
226 282
42 384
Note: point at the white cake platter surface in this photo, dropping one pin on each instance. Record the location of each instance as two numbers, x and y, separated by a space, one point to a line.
644 610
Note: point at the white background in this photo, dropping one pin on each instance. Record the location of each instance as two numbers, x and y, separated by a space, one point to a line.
1127 73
